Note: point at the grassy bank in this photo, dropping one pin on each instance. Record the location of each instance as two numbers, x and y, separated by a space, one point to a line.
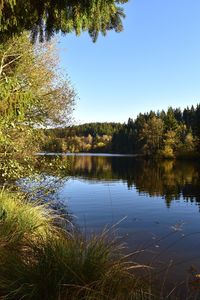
40 261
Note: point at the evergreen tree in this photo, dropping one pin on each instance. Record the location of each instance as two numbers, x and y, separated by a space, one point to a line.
47 17
170 120
168 134
152 135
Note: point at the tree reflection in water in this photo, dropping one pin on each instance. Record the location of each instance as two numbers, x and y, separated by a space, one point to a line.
169 179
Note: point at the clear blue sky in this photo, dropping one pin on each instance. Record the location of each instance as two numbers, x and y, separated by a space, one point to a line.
153 64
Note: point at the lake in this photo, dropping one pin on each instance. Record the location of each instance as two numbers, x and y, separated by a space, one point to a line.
155 204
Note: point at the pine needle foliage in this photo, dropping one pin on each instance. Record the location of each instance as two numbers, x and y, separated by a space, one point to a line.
45 18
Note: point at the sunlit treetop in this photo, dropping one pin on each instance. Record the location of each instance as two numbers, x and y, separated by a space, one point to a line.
47 17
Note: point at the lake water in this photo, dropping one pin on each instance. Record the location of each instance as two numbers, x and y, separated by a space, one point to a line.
156 203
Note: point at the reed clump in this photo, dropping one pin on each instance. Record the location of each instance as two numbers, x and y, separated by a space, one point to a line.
39 260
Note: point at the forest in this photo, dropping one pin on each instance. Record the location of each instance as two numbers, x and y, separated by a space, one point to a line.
90 137
167 134
174 133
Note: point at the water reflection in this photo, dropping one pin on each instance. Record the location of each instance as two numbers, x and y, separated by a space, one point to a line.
100 191
168 179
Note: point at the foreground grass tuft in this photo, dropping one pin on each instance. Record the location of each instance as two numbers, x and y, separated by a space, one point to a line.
38 260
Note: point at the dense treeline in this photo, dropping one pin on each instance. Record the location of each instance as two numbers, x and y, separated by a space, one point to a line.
93 129
168 134
90 137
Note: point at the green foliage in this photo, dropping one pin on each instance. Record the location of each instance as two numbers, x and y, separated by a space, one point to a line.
88 129
45 18
90 137
76 144
22 218
31 88
32 93
152 135
168 134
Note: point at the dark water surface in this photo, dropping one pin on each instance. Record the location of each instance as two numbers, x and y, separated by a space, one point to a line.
157 201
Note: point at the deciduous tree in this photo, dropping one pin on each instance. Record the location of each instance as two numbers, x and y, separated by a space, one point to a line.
32 93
